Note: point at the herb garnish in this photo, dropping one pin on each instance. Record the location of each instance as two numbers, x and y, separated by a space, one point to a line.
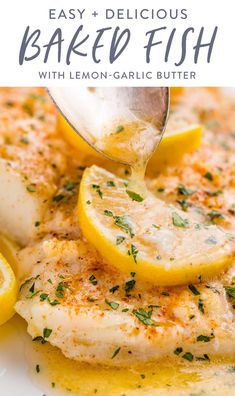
178 221
184 191
110 183
209 176
47 332
120 128
114 305
215 214
97 189
116 352
201 306
134 196
133 252
230 290
188 356
31 188
58 198
183 203
129 286
108 213
144 316
120 239
124 223
62 286
114 288
194 290
178 350
93 280
204 338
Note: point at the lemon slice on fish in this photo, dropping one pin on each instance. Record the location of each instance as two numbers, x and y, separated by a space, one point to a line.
8 290
177 141
147 236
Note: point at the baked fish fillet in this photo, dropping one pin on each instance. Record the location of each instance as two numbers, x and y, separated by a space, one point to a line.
32 160
95 314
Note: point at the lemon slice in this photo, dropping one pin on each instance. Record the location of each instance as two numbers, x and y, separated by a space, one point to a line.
158 242
75 140
8 291
176 142
9 249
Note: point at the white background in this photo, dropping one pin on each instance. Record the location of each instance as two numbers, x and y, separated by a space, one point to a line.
16 15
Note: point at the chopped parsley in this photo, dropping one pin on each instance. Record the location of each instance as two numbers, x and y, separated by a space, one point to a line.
47 332
215 214
62 286
110 183
70 186
114 305
116 352
53 302
209 176
114 288
58 198
194 290
230 290
144 316
182 190
178 351
133 252
43 296
129 286
31 188
201 306
134 196
37 368
204 357
203 338
108 213
37 224
188 356
120 128
178 221
98 190
93 280
124 223
120 239
183 203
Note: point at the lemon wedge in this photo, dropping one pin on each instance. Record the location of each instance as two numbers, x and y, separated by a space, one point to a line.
176 142
75 140
157 241
9 250
8 291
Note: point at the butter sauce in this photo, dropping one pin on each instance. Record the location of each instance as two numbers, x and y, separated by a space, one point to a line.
43 370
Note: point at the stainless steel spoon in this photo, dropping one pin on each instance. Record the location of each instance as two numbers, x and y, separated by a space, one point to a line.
90 111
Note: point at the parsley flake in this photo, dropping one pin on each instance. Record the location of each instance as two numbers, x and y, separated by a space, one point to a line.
178 221
134 196
144 316
114 305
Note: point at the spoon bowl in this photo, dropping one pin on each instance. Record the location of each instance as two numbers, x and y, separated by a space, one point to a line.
93 112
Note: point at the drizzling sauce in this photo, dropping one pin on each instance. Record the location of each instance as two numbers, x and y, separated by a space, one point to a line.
132 143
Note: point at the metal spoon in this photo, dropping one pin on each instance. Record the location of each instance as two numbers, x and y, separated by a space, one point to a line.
90 111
